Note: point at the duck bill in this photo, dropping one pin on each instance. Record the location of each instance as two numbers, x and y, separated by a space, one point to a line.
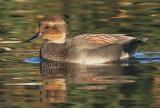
37 35
34 37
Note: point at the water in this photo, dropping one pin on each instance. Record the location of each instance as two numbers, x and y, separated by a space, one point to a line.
25 82
141 57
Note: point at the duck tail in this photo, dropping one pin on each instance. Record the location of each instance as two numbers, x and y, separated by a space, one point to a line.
131 46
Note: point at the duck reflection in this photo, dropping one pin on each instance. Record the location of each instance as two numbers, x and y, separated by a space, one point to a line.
54 88
58 76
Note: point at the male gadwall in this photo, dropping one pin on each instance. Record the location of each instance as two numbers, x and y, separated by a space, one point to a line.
85 48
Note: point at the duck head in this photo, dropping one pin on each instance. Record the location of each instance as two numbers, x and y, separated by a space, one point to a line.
52 28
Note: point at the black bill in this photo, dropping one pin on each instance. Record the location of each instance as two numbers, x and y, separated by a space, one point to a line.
36 36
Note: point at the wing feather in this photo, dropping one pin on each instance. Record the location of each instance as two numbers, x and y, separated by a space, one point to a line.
92 41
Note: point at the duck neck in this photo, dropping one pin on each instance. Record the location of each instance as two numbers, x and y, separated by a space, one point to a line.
61 37
59 40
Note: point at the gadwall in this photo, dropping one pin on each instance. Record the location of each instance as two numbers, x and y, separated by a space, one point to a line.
84 49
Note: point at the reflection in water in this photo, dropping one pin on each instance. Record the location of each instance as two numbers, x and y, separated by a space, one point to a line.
54 88
147 57
58 76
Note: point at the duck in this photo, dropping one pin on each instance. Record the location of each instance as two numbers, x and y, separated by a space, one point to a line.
86 48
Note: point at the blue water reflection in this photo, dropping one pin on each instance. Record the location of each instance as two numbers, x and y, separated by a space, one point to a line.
141 57
35 60
147 57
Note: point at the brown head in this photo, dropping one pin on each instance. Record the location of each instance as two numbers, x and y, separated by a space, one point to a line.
52 28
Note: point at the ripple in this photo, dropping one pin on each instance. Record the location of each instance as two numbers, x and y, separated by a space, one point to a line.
23 84
93 87
23 11
23 1
147 57
11 42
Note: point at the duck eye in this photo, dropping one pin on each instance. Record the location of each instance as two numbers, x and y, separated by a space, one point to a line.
46 27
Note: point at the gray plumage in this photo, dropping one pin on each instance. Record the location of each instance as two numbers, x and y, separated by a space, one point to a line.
81 49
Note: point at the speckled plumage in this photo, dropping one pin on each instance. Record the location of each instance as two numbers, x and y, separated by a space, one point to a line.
52 51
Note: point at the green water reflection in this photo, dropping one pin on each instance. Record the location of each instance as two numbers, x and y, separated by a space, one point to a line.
53 85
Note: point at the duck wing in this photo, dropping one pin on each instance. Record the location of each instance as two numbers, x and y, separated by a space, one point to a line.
93 41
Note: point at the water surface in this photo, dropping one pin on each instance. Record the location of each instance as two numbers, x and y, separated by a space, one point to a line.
32 84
